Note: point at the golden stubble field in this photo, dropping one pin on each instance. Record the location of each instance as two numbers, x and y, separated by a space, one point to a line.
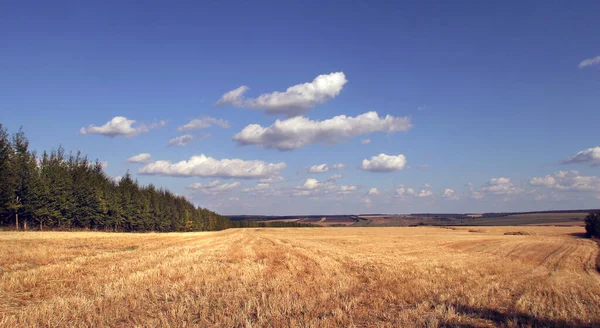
317 277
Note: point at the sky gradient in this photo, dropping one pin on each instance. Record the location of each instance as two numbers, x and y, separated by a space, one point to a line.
318 107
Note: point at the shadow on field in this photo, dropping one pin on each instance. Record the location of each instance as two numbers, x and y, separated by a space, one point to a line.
512 319
578 235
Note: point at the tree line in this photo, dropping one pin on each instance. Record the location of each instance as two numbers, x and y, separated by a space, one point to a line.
63 192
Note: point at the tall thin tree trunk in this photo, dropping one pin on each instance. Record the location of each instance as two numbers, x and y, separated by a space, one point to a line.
41 226
25 225
17 221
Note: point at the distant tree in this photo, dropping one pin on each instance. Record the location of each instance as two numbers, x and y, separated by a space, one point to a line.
592 225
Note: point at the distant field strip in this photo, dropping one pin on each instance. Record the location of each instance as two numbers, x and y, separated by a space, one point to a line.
308 277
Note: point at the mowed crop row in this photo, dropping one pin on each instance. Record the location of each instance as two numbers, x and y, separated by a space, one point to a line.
422 276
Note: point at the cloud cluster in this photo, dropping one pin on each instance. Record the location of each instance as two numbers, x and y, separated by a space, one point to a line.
384 163
320 168
120 126
213 188
296 100
500 186
590 155
402 192
568 181
181 141
204 166
140 158
335 177
297 132
203 123
590 62
373 192
450 194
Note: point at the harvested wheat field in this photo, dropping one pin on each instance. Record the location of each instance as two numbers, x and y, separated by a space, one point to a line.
311 277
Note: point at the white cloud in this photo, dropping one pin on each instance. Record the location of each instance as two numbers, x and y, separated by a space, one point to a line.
215 187
373 191
296 100
117 178
140 158
384 163
450 194
273 179
365 141
335 177
344 190
204 166
203 123
182 140
425 193
568 181
318 168
297 132
259 188
367 201
402 191
313 187
590 62
500 186
120 126
590 155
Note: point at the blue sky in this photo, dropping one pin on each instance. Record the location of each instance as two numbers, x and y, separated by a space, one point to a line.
492 106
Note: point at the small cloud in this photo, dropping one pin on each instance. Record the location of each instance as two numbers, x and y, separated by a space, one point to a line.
373 192
365 141
204 166
296 100
450 194
384 163
318 168
203 123
589 62
213 188
298 132
338 166
121 126
140 158
335 177
181 141
590 155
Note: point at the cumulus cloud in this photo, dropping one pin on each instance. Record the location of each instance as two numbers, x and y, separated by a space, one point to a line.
296 100
182 140
120 126
590 62
365 141
425 193
335 177
297 132
261 187
402 191
204 166
312 187
568 181
140 158
344 190
384 163
318 168
213 188
590 155
373 192
203 123
450 194
367 201
500 186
